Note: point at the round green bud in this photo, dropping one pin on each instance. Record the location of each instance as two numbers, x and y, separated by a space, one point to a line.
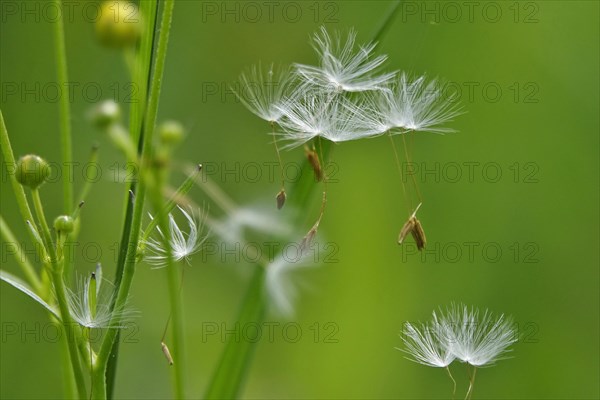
64 223
105 114
32 171
170 132
119 24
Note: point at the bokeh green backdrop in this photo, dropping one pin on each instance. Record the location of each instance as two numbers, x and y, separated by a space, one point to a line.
542 55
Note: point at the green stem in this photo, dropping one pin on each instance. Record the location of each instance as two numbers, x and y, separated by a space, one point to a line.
45 230
69 384
138 207
141 77
65 108
230 373
21 258
70 328
18 190
99 379
56 266
176 315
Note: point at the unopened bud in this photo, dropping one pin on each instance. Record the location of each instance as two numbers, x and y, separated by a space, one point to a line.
32 171
64 224
119 24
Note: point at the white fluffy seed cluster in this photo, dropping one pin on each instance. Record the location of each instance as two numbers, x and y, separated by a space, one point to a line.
345 97
459 333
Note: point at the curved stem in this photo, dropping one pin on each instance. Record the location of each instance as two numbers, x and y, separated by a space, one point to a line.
46 237
18 190
65 108
453 381
21 257
70 332
73 338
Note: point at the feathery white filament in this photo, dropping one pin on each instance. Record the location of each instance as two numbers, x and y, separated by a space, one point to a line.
183 244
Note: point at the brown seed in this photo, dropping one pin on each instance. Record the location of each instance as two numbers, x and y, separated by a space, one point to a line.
307 240
166 352
419 235
280 199
406 229
313 160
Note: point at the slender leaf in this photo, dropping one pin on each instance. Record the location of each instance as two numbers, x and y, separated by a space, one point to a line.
19 284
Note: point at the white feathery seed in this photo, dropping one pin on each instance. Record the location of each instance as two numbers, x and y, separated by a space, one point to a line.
412 105
183 244
428 344
343 67
99 315
460 334
262 90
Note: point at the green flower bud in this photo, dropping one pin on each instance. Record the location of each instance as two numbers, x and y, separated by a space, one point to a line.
119 24
105 114
64 224
170 132
32 171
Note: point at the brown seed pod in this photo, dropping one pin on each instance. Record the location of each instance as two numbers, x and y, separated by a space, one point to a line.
419 235
307 240
313 160
406 229
414 227
281 196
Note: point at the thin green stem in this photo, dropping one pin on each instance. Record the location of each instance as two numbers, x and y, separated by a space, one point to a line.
56 266
69 383
453 381
141 76
18 190
176 315
71 333
65 107
136 222
45 230
20 256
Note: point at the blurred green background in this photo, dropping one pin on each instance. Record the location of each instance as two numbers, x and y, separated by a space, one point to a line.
528 80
